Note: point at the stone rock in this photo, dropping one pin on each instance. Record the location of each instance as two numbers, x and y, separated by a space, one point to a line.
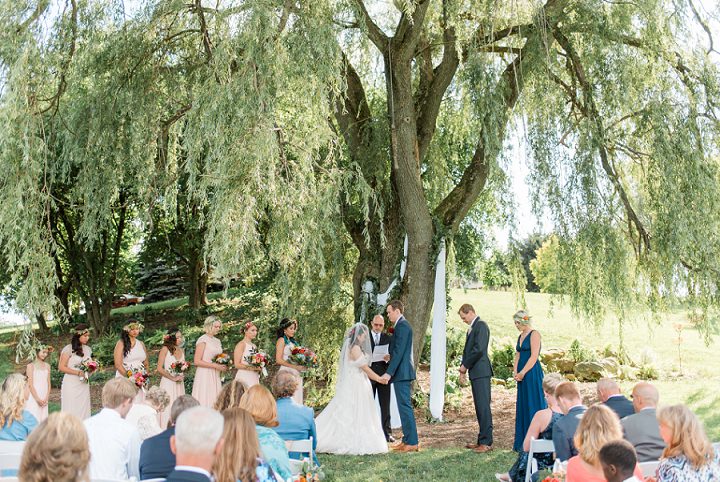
498 381
562 365
611 365
552 354
590 371
570 377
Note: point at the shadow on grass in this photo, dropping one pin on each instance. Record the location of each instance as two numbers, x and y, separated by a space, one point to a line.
430 464
706 405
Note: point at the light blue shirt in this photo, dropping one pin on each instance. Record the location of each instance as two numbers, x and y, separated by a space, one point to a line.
297 422
18 430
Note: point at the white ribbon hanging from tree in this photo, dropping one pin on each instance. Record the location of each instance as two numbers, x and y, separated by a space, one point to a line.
438 347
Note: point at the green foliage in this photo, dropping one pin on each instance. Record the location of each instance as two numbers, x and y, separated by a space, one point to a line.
525 251
648 372
502 358
545 267
495 273
579 353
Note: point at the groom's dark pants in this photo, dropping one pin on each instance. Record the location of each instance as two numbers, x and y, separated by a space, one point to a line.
407 417
383 394
481 398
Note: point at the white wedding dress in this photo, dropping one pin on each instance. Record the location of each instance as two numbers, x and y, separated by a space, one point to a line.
350 424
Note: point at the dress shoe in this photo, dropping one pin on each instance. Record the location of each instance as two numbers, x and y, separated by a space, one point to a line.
390 439
407 448
397 447
471 446
483 449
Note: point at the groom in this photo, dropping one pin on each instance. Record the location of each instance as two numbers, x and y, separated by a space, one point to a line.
402 372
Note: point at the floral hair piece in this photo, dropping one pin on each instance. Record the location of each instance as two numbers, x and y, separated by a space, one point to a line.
522 317
82 332
167 337
41 346
134 325
247 326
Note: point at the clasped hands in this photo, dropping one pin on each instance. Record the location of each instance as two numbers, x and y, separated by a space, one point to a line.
385 379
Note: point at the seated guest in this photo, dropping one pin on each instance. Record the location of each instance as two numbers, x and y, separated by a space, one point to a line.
618 461
196 443
563 433
239 458
598 426
688 456
146 414
609 394
642 429
229 396
541 427
260 403
56 451
16 423
156 458
296 422
114 442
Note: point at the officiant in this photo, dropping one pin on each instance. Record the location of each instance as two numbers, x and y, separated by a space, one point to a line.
380 339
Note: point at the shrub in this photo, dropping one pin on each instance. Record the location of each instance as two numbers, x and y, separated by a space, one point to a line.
648 372
579 353
502 358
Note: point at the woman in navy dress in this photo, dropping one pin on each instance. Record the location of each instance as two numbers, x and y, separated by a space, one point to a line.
529 376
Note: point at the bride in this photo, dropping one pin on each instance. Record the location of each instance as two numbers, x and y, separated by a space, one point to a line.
350 424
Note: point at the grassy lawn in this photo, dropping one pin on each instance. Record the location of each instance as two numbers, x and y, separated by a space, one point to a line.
432 464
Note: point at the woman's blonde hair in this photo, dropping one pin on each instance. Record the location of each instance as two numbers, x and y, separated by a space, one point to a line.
159 397
598 426
241 448
688 436
522 317
57 450
12 399
208 323
230 396
551 381
260 403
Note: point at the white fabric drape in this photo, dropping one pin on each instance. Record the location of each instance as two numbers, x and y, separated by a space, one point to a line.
438 342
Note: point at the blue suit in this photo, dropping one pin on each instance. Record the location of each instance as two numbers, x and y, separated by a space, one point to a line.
297 422
402 373
156 459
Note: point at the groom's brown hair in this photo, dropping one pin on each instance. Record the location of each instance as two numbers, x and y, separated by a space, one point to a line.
397 305
466 308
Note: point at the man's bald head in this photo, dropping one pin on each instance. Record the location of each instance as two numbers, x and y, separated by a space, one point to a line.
378 323
645 395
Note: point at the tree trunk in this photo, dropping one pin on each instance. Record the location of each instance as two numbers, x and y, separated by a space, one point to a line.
42 323
98 313
197 282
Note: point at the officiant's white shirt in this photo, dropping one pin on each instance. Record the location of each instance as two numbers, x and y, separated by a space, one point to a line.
114 446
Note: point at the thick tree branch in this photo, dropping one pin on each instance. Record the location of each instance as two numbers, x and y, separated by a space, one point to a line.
409 28
376 35
207 45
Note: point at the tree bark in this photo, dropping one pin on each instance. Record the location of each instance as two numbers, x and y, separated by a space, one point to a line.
197 280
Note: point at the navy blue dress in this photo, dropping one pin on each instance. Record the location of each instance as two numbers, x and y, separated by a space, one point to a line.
530 396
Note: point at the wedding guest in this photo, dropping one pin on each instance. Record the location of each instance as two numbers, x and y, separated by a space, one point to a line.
239 458
283 349
689 455
598 426
230 396
196 443
38 376
378 337
146 414
56 451
16 423
75 390
476 362
541 428
174 384
130 353
247 374
114 442
609 394
529 376
260 403
156 458
642 429
295 422
618 461
563 434
206 385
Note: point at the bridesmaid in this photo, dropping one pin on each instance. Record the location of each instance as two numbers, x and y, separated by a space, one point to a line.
174 385
75 391
529 376
130 353
206 385
283 347
38 377
246 374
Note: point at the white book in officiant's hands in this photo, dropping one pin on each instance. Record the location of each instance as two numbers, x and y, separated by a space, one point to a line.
380 352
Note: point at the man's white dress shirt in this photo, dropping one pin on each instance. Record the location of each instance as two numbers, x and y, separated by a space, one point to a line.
114 446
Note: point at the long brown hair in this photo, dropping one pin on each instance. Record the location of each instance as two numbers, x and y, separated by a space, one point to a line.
57 450
241 448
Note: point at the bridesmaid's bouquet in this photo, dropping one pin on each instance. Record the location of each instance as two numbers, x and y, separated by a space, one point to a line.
222 359
257 359
88 366
303 356
179 368
309 472
138 376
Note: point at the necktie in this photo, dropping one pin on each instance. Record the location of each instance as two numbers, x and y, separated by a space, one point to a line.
377 338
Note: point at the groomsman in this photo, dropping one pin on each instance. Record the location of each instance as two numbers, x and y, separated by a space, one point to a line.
476 362
377 337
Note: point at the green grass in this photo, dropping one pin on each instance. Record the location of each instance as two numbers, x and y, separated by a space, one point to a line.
432 464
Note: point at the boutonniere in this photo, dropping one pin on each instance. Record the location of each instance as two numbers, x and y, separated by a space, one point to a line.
391 330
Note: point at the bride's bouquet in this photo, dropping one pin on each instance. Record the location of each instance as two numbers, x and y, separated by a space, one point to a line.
179 368
303 356
88 366
138 376
257 359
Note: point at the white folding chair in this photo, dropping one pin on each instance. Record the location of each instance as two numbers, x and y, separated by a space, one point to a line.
9 479
537 446
301 447
649 468
7 447
9 463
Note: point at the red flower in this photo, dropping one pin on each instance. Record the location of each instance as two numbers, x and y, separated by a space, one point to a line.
391 330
